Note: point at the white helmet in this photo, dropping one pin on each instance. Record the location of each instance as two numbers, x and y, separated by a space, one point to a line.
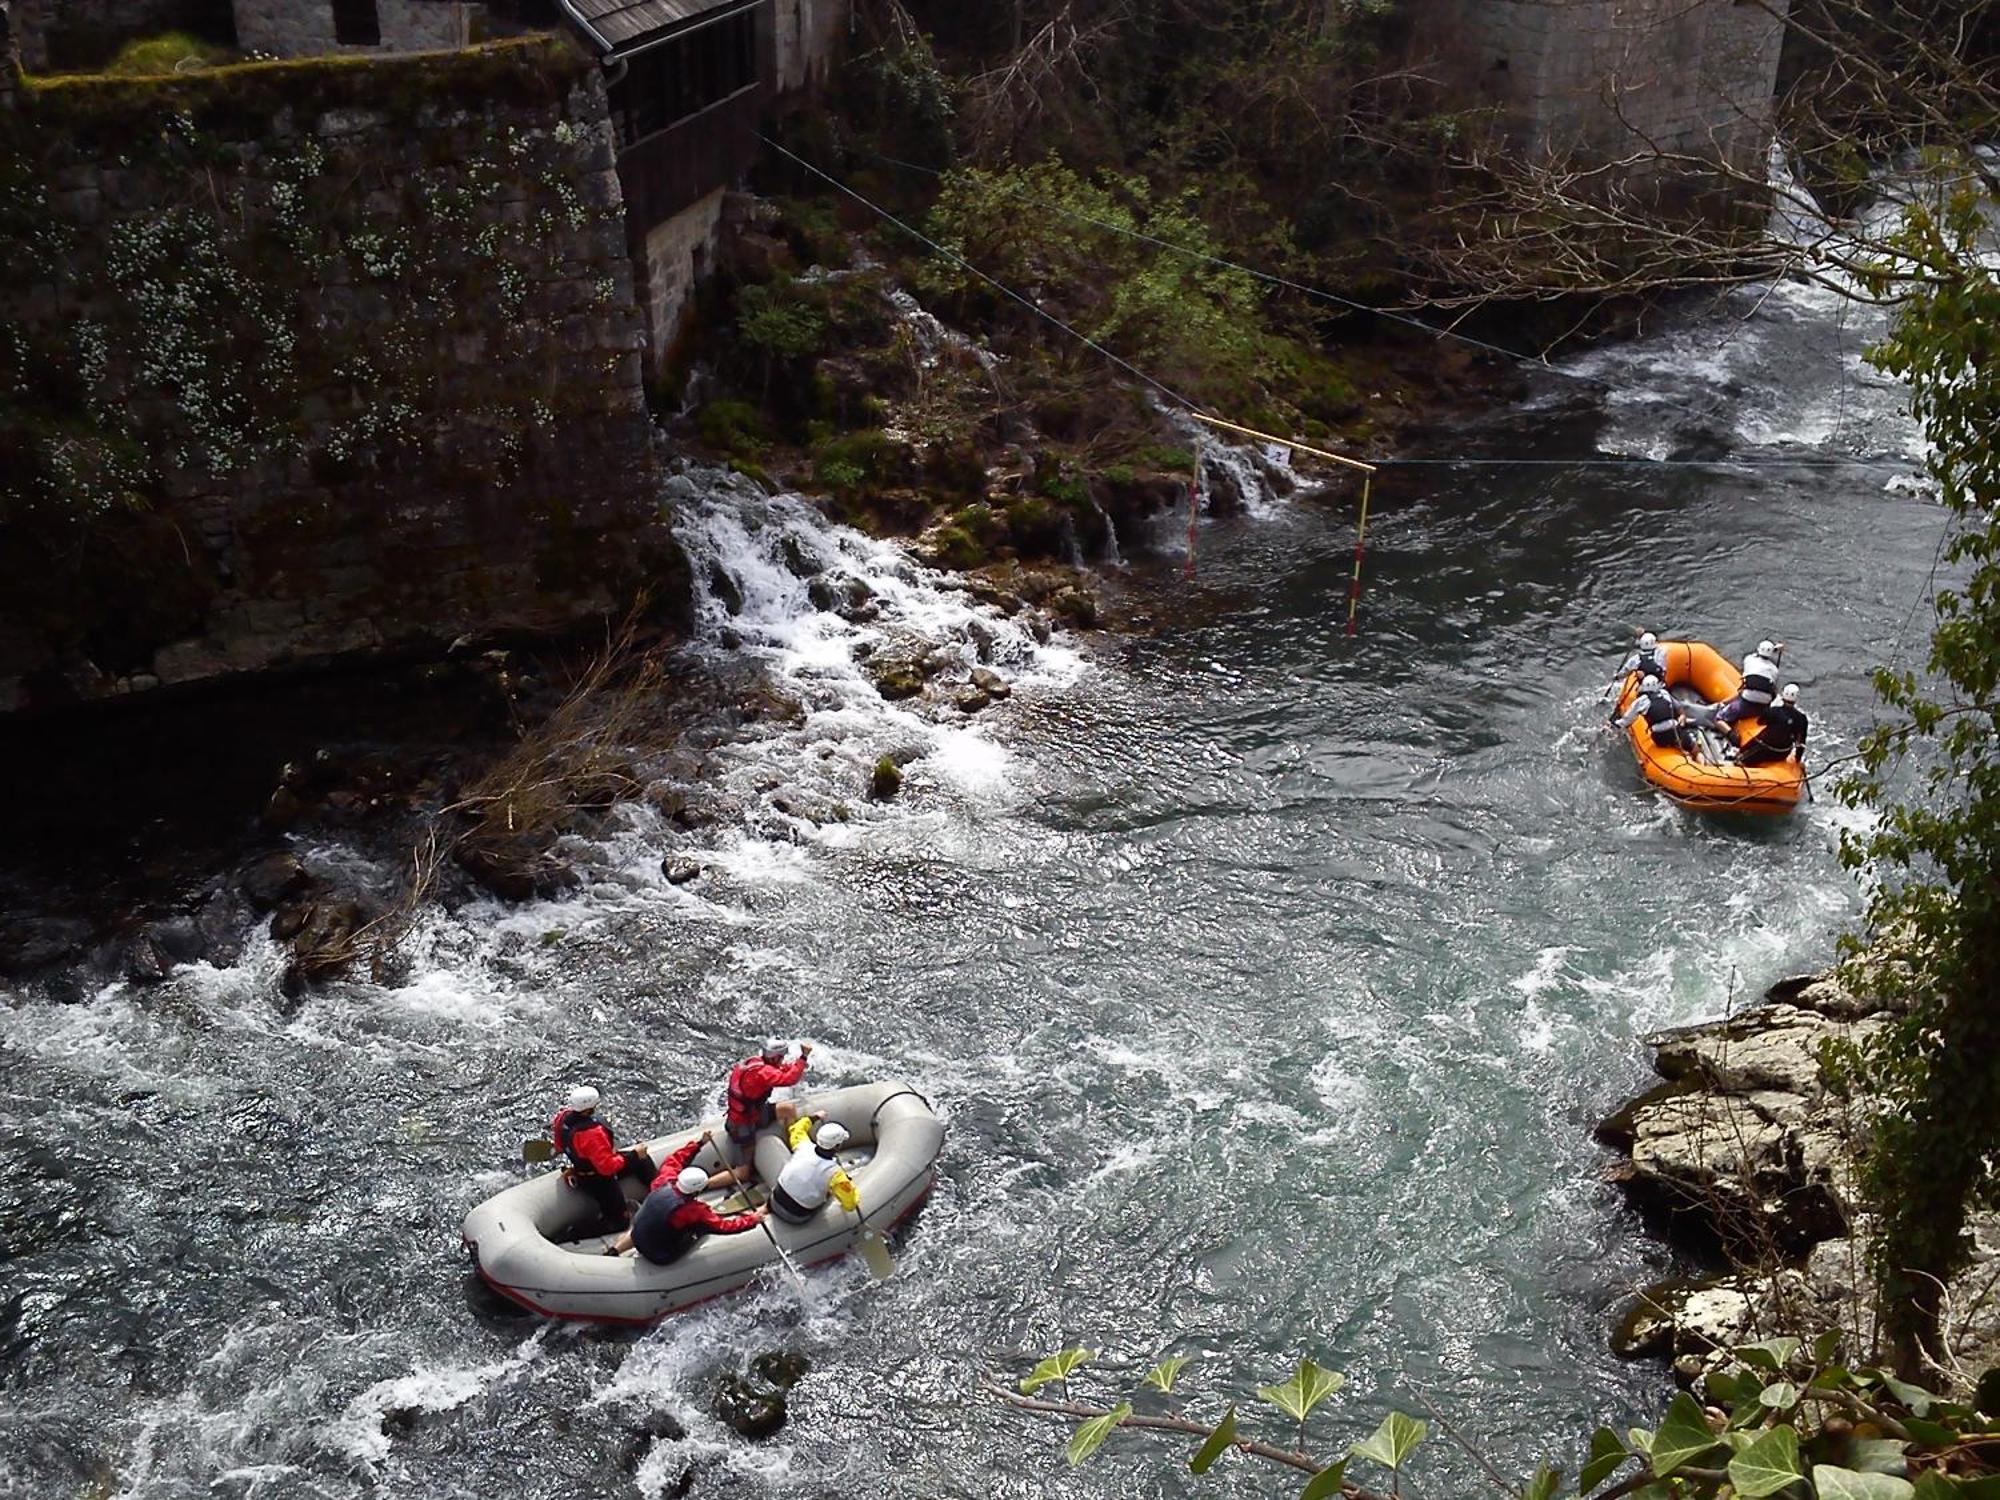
1765 648
776 1046
583 1097
691 1181
1649 683
832 1135
1791 692
1647 640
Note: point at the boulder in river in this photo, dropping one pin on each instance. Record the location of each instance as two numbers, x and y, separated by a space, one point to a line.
274 879
750 1405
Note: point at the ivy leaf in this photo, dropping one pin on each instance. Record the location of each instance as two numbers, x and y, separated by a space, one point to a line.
1391 1443
1683 1436
1055 1367
1778 1395
1930 1434
1845 1484
1877 1456
1767 1465
1308 1386
1091 1435
1932 1485
1768 1354
1915 1397
1607 1452
1162 1376
1215 1444
1325 1485
1544 1485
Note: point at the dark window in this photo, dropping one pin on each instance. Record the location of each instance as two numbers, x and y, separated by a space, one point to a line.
666 84
356 23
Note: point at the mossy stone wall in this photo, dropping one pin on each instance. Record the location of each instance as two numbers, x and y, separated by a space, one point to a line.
300 359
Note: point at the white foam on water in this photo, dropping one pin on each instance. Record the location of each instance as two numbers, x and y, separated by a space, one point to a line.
357 1433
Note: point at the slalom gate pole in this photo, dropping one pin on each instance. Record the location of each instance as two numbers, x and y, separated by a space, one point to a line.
1368 476
1194 509
1360 543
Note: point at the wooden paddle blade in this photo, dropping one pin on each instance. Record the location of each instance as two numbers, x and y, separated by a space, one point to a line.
536 1151
876 1254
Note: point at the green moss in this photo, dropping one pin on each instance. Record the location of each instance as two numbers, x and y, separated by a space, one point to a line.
103 112
1035 526
850 460
175 52
955 547
1172 460
887 780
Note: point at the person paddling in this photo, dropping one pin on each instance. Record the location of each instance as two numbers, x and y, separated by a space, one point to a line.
596 1165
1664 716
751 1107
1781 735
814 1173
673 1216
1647 659
1760 685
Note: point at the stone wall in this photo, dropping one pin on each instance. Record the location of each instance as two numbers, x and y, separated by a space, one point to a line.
1600 79
313 358
70 34
673 257
809 33
304 28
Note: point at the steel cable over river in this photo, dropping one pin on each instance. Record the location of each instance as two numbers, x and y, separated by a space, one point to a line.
1269 985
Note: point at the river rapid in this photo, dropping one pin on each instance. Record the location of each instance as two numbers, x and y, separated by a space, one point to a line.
1269 983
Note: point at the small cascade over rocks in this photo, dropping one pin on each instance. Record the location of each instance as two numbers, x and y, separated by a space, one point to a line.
874 654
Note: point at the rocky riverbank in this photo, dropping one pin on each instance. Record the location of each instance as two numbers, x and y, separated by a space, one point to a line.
1744 1157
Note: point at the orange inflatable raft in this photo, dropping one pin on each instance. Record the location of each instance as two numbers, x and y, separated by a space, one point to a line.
1706 780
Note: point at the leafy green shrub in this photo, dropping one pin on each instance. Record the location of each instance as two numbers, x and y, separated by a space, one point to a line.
734 427
813 232
1047 226
780 321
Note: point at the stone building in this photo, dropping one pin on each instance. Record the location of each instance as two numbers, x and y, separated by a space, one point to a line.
1606 80
299 28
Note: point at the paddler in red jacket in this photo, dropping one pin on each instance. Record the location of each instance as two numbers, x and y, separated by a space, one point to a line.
673 1216
595 1163
751 1107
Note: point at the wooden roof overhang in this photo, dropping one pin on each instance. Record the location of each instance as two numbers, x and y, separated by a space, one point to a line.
619 28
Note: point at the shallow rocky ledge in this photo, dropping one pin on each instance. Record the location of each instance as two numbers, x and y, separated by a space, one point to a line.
1744 1156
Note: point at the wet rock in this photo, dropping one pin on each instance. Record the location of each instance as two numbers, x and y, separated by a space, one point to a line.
287 920
654 1427
723 585
896 677
886 780
797 559
1037 625
1076 605
515 869
274 879
782 1368
180 939
144 963
749 1406
679 869
991 683
221 920
971 700
31 943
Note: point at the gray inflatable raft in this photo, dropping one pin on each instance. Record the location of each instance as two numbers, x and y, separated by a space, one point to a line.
522 1244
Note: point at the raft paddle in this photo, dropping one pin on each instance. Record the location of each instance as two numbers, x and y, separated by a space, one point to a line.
874 1249
765 1225
535 1151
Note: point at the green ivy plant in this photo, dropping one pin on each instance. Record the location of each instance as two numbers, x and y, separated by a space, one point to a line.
1778 1418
